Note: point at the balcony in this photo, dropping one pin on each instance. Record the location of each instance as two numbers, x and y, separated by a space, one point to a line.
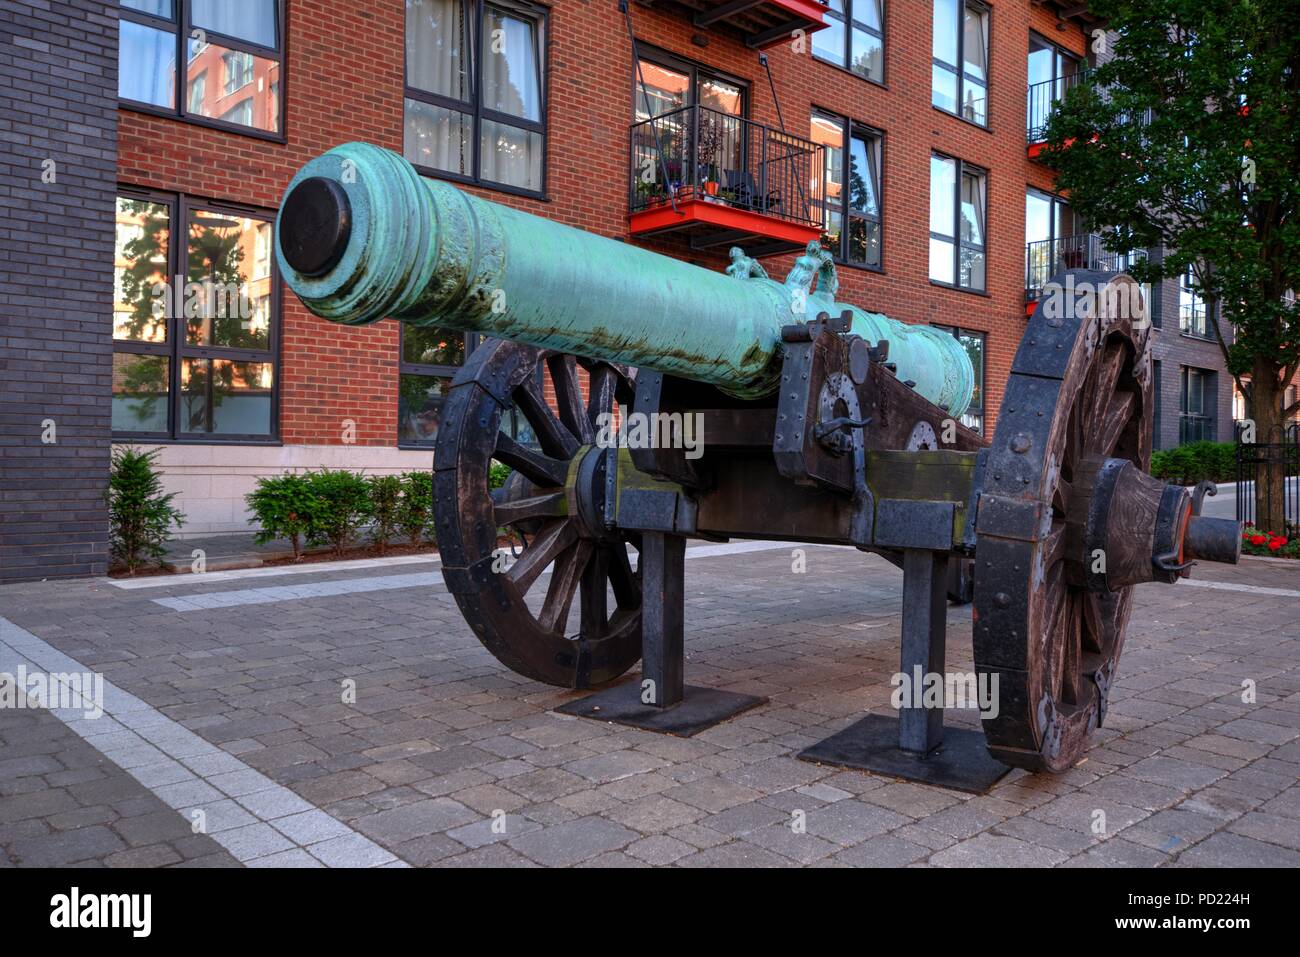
762 23
1042 101
1047 257
721 180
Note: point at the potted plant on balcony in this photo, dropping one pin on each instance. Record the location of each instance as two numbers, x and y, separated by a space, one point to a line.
706 153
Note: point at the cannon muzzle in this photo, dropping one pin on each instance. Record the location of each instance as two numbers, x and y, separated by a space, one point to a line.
362 236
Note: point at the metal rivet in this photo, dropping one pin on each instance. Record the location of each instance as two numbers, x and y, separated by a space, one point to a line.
1002 599
1020 443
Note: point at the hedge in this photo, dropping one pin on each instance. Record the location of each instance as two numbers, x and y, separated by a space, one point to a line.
1195 462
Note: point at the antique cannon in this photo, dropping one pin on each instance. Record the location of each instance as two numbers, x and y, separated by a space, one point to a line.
822 423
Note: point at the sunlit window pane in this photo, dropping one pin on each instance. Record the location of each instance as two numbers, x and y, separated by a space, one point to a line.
141 294
139 393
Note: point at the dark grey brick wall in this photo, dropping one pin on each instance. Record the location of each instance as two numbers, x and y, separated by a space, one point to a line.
58 102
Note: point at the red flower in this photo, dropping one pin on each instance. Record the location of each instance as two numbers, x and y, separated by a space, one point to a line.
1276 543
1257 539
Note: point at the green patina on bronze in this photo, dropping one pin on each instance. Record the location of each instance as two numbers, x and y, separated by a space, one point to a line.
427 253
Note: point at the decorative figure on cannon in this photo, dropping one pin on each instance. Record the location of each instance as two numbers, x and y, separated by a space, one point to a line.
823 423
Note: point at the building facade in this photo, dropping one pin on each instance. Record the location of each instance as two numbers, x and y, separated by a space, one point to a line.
894 130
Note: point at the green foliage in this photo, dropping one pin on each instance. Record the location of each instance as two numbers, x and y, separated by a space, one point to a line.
140 514
344 499
497 475
1186 138
385 509
415 511
285 506
1196 462
1255 541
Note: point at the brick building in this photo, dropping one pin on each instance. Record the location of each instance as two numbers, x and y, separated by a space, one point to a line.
896 130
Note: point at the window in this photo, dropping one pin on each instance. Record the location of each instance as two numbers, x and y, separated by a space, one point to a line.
854 37
960 59
957 217
973 342
1050 241
1050 71
1196 400
1193 319
240 43
430 357
852 192
476 118
194 322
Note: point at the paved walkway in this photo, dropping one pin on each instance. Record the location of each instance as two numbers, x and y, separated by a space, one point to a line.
346 716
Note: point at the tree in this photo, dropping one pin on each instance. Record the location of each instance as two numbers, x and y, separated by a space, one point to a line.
1187 138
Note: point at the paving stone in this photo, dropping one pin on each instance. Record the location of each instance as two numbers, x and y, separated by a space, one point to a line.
254 840
849 822
310 827
493 829
410 821
350 851
1236 850
883 851
564 845
660 849
992 850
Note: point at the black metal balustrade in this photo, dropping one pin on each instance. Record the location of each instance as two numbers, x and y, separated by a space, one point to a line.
1046 257
698 153
1045 95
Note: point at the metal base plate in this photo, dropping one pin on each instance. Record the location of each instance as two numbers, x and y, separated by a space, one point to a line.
962 762
700 708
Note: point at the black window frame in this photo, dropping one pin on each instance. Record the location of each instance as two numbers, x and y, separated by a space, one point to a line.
851 23
1190 328
875 140
182 26
474 106
175 350
959 68
695 70
472 341
975 411
1198 425
958 244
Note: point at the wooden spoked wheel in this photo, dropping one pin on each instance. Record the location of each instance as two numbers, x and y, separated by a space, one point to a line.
1079 394
518 598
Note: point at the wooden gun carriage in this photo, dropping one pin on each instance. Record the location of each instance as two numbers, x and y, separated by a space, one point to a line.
822 423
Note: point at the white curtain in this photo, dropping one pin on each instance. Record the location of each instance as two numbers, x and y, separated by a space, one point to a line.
252 20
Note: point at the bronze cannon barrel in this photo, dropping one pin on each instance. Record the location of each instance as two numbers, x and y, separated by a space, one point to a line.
362 236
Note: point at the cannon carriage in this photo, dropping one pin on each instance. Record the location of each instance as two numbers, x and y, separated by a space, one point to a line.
821 423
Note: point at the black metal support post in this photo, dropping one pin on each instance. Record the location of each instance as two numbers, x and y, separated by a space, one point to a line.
915 745
661 700
924 645
663 617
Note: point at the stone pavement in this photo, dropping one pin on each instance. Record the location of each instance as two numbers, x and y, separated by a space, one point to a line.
348 717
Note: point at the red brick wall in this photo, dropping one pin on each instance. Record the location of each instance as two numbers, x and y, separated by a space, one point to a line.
344 81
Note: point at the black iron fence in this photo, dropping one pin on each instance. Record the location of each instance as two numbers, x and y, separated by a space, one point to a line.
1046 257
699 153
1274 462
1044 96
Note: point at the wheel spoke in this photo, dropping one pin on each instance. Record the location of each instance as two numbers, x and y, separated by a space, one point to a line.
1093 634
627 591
1061 496
1053 547
564 583
552 436
550 505
545 548
568 396
537 468
1070 663
1104 378
1109 426
600 391
595 597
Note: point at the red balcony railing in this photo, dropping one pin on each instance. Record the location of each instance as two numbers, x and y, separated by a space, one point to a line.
724 180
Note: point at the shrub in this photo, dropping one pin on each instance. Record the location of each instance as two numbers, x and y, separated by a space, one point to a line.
415 512
344 499
385 509
284 507
140 514
497 475
1195 462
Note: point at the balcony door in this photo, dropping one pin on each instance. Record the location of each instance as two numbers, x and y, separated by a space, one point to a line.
1049 239
699 146
1050 70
